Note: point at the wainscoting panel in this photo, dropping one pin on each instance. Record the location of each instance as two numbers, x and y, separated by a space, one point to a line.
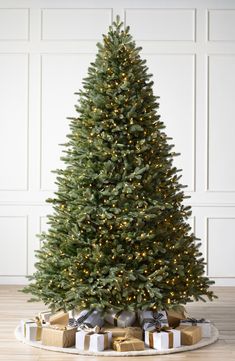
45 50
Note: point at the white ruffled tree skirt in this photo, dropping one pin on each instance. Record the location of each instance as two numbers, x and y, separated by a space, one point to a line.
148 351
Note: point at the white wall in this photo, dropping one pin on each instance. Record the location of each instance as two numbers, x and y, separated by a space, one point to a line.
45 49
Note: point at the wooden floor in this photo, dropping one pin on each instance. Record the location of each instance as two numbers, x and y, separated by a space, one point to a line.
14 306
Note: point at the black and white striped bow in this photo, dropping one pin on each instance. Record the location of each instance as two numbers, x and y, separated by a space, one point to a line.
80 320
194 321
154 322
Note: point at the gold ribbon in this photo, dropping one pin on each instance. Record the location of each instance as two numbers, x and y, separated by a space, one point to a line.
150 339
115 320
87 342
58 327
39 329
170 336
170 339
106 341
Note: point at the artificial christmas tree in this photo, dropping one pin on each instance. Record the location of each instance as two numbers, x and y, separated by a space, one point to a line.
118 237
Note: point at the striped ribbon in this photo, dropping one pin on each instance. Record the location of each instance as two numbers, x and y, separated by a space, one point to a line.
194 321
80 320
155 321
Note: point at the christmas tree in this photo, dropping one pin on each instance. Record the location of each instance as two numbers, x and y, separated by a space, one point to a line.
118 236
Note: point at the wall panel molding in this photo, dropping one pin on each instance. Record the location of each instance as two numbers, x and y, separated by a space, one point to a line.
14 130
14 24
45 50
74 24
221 25
220 246
220 114
184 108
162 24
14 263
53 71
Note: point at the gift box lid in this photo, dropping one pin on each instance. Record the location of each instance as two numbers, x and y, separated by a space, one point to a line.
60 318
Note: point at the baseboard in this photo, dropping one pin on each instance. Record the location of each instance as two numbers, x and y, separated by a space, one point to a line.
230 282
13 280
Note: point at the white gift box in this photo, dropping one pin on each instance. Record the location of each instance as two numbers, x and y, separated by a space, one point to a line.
147 319
90 318
23 324
161 340
44 316
90 341
33 332
120 319
204 324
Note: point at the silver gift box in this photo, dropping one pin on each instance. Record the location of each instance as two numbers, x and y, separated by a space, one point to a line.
90 318
150 319
121 318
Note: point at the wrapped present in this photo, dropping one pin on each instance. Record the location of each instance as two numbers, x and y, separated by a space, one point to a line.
59 336
175 315
127 343
120 318
190 334
136 332
150 320
87 318
59 318
23 324
58 333
163 338
32 329
44 316
204 324
93 340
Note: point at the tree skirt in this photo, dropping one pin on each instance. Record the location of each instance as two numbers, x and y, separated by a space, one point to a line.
148 351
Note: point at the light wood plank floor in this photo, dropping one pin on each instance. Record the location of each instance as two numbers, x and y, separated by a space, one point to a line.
14 306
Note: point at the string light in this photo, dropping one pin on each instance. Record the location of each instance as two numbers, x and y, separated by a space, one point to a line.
107 124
